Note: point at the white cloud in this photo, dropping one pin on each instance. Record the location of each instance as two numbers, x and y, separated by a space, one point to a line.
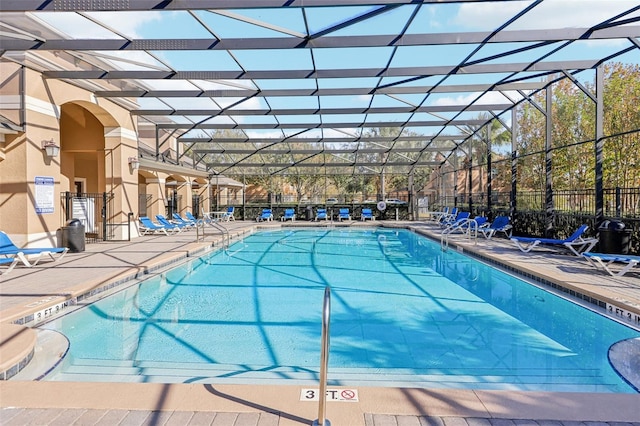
129 23
487 98
548 14
268 134
251 103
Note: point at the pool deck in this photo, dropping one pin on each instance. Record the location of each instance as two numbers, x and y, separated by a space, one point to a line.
28 291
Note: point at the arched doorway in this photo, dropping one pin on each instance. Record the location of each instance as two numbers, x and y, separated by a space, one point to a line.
94 177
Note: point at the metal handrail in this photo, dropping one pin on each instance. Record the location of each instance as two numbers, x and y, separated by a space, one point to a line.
324 360
444 242
224 231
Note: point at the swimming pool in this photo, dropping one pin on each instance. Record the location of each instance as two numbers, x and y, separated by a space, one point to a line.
404 313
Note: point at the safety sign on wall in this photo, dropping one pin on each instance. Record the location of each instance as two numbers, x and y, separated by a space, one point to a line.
44 186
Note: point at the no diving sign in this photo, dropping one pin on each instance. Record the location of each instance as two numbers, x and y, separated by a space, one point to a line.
340 395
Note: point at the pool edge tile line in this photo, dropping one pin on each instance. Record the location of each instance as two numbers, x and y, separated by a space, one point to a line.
141 273
601 301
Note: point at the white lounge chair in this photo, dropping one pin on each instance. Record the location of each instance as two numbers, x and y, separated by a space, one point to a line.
606 261
344 214
265 216
11 261
500 224
289 214
168 225
457 220
466 225
367 214
575 243
228 216
148 227
184 222
321 214
10 250
194 219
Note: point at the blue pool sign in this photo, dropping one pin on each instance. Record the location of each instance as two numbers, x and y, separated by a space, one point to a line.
44 194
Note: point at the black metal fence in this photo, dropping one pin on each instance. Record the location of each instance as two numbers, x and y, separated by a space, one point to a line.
94 212
618 202
572 208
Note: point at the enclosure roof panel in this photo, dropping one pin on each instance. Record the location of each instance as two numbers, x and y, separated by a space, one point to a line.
281 85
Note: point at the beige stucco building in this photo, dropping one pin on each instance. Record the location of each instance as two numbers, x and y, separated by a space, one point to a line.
103 173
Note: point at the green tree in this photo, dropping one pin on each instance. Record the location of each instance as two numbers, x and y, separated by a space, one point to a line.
482 137
572 135
621 161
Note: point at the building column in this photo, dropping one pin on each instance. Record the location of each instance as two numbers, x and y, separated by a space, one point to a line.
120 179
156 189
184 192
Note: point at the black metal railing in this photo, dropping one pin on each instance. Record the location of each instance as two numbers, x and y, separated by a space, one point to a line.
95 212
572 208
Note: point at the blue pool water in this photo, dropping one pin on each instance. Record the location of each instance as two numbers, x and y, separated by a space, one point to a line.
404 313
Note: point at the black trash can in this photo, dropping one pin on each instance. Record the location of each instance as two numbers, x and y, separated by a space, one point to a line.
613 238
73 235
310 213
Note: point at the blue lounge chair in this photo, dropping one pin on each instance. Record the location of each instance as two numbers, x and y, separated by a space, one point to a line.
448 216
11 261
147 227
607 260
575 243
175 227
343 213
367 214
9 250
500 224
289 214
464 224
321 214
229 214
179 219
193 219
265 216
460 216
439 216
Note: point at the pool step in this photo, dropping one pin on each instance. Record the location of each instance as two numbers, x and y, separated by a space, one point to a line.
165 372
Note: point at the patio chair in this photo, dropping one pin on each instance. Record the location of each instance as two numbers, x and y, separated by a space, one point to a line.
265 216
606 261
321 214
228 216
289 214
464 224
179 219
148 227
500 224
193 219
460 216
343 213
575 243
176 227
448 216
367 214
12 261
9 250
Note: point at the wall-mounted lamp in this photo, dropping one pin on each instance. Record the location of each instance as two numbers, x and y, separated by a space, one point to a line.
134 163
50 148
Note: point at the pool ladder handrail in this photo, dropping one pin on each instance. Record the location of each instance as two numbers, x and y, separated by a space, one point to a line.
471 232
226 237
324 360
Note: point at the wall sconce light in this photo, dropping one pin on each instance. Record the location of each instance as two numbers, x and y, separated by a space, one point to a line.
50 148
134 163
